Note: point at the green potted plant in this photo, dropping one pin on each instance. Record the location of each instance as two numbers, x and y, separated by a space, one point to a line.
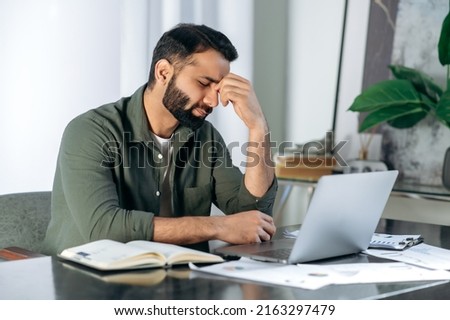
404 101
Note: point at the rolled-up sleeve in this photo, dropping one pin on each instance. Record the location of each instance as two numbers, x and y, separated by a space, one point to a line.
231 193
85 200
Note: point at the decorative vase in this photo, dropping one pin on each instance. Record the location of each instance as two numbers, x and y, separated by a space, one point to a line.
446 170
363 163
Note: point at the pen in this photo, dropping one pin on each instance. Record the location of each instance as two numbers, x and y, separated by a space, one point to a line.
413 242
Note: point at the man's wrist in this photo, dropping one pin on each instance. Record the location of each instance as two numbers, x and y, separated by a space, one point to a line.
261 129
216 226
193 229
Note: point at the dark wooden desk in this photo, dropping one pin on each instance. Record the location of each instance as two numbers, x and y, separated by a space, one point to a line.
51 278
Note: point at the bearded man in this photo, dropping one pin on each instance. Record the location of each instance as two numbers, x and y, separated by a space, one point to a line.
149 166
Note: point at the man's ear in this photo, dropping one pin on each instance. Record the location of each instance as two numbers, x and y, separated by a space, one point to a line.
163 71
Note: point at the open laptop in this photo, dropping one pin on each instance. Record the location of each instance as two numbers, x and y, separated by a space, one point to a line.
341 218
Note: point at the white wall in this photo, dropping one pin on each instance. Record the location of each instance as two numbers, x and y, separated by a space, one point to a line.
352 75
350 87
315 29
312 73
238 27
57 59
60 58
135 50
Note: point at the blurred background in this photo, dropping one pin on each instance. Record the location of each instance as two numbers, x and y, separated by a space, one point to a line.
59 58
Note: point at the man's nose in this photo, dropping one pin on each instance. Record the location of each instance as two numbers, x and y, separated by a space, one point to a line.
212 97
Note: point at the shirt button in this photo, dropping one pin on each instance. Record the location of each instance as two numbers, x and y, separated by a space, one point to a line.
160 156
158 193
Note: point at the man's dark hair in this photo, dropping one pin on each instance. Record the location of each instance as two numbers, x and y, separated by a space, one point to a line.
180 43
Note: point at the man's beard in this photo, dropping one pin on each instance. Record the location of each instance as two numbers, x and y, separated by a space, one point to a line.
176 101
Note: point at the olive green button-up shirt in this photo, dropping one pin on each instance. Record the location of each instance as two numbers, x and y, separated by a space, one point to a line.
110 172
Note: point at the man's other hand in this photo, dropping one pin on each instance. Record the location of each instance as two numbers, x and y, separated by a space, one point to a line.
246 227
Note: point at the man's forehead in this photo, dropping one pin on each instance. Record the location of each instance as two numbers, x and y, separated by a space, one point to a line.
209 65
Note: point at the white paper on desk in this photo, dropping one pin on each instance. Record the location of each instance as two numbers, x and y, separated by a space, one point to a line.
313 276
384 272
291 234
422 255
266 272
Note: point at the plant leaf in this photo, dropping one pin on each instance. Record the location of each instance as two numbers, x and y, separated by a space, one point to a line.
384 94
427 102
407 121
444 42
410 113
422 82
443 108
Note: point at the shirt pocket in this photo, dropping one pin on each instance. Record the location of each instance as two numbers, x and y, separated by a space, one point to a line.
197 200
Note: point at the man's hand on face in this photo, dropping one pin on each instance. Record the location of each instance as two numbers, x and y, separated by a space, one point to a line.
239 91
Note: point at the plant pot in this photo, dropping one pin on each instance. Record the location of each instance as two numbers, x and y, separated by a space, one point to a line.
446 170
358 165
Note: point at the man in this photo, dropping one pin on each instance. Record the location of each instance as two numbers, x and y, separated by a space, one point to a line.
149 166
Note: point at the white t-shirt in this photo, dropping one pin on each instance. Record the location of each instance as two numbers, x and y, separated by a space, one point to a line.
166 148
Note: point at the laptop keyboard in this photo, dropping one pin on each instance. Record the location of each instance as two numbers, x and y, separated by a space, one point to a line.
282 254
